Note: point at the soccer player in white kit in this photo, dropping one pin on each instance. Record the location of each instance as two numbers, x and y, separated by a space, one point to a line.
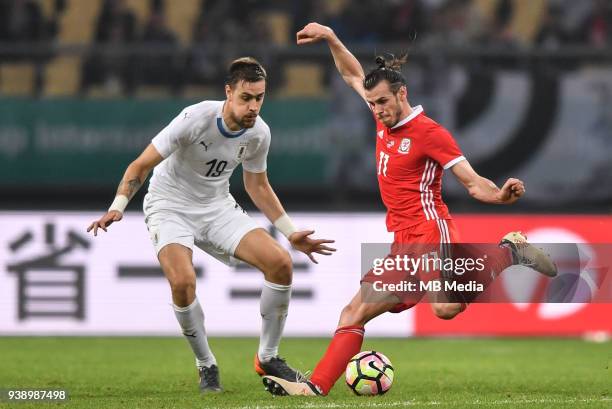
188 203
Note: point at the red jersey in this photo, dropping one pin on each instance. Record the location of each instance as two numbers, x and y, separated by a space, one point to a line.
410 159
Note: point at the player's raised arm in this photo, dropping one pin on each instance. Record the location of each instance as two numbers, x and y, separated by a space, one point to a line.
347 64
135 175
483 189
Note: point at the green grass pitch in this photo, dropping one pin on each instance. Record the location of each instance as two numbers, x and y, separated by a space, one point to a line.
434 373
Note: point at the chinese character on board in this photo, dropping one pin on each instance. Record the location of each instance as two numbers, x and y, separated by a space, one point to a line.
46 286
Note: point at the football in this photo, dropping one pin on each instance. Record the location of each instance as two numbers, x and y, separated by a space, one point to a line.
369 373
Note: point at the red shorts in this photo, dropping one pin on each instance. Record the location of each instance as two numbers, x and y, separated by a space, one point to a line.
426 237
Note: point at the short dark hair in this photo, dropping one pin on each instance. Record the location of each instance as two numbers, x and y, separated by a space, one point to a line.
245 69
387 70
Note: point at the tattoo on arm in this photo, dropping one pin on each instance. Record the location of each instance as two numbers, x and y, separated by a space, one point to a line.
129 187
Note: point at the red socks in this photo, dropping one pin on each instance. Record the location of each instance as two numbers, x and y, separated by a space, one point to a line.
345 344
497 260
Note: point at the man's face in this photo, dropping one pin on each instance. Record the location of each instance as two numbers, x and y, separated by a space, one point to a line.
385 104
244 101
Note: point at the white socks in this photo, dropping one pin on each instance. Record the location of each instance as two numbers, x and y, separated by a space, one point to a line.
273 306
191 319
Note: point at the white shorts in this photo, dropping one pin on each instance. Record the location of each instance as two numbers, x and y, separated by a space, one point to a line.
216 228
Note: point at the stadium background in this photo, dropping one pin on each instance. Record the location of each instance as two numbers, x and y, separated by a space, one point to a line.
525 87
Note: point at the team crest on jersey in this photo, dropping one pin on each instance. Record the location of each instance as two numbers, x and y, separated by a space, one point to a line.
404 146
242 148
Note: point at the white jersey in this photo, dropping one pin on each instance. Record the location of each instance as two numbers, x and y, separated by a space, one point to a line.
200 154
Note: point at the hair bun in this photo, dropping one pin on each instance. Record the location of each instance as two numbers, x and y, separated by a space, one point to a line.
381 62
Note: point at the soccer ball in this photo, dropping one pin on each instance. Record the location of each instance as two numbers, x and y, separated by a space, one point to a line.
369 373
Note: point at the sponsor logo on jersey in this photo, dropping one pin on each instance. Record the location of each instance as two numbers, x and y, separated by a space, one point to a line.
205 145
404 146
390 143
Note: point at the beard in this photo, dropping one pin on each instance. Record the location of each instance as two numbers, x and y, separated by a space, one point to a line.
247 121
398 113
392 119
388 122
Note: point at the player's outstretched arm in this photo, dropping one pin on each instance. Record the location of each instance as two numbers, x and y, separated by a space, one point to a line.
135 175
485 190
347 64
261 193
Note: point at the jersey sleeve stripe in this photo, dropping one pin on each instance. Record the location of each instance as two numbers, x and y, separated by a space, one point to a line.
454 162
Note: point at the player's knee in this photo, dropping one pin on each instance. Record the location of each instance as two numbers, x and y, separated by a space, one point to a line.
182 286
280 268
446 311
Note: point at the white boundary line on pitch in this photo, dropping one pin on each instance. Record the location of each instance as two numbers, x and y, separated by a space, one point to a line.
429 403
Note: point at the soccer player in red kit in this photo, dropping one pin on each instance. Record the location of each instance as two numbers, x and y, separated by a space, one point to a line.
412 151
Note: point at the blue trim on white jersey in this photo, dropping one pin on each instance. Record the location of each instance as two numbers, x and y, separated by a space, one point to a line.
226 133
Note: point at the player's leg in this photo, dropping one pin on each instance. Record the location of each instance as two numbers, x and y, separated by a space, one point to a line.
173 240
260 250
365 305
447 305
345 344
447 310
348 337
512 250
176 262
229 229
444 305
347 340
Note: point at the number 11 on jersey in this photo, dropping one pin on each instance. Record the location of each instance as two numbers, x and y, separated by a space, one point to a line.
382 163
